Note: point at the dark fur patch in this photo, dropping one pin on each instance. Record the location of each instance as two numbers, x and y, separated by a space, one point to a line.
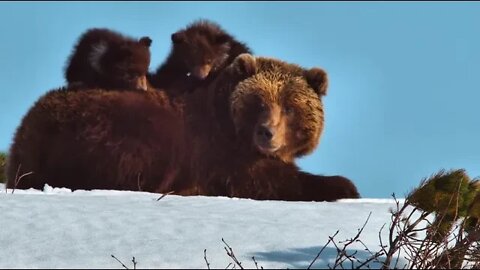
96 139
107 59
199 52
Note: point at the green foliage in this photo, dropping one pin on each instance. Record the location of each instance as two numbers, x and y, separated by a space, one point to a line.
473 220
3 160
450 193
474 210
450 196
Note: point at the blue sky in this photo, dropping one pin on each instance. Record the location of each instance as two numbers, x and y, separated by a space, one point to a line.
404 88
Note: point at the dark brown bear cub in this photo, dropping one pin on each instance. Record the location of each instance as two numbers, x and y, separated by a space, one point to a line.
198 54
106 59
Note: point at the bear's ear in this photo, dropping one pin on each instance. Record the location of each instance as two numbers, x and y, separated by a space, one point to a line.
318 80
246 64
178 37
98 52
222 38
146 41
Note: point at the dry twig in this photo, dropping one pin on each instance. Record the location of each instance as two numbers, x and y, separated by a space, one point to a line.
232 255
205 258
119 261
165 194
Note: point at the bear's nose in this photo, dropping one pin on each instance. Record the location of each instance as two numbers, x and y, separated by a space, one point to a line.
265 132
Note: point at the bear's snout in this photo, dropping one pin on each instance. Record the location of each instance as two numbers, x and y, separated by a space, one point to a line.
265 133
201 72
269 135
264 139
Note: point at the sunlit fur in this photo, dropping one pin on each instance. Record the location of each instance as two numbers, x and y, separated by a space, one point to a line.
281 98
221 127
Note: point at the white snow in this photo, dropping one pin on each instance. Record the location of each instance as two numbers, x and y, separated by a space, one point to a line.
57 228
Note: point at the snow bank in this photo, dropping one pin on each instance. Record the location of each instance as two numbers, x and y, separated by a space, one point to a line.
57 228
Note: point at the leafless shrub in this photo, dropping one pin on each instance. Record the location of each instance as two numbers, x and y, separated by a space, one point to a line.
18 178
436 227
123 265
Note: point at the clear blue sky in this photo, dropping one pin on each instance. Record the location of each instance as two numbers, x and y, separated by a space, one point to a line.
404 90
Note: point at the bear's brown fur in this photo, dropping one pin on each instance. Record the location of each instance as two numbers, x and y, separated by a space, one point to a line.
95 139
237 137
260 115
199 52
107 59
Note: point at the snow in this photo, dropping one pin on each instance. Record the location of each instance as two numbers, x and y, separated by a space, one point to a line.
58 228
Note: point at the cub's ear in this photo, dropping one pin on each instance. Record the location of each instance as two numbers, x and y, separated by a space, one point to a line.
245 64
178 37
98 52
146 41
317 79
222 38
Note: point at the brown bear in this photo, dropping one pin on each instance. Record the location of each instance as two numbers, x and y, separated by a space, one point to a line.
107 59
199 52
260 115
95 139
238 137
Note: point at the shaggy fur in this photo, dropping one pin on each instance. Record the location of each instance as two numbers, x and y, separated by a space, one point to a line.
96 139
199 52
106 59
267 112
237 137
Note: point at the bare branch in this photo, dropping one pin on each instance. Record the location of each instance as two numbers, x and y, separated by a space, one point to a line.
321 250
17 179
231 255
256 264
165 194
138 181
119 261
205 257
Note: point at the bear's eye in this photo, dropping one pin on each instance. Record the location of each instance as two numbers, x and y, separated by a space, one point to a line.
263 106
288 110
300 135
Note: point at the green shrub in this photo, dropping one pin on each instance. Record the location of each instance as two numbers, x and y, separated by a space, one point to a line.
3 160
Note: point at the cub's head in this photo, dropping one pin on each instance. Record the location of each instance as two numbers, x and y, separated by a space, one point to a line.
124 65
277 106
203 47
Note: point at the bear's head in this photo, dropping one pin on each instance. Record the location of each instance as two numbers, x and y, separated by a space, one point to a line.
203 46
124 65
277 106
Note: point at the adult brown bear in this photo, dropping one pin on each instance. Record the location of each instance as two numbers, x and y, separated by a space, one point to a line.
237 137
95 139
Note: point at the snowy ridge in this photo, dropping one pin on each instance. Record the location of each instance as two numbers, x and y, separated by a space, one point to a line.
48 190
59 228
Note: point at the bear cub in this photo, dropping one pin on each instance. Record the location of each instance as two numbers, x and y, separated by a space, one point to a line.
199 52
106 59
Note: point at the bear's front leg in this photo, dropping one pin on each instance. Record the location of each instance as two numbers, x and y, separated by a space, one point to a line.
271 179
326 188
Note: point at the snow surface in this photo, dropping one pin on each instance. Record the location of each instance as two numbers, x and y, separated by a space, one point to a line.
57 228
